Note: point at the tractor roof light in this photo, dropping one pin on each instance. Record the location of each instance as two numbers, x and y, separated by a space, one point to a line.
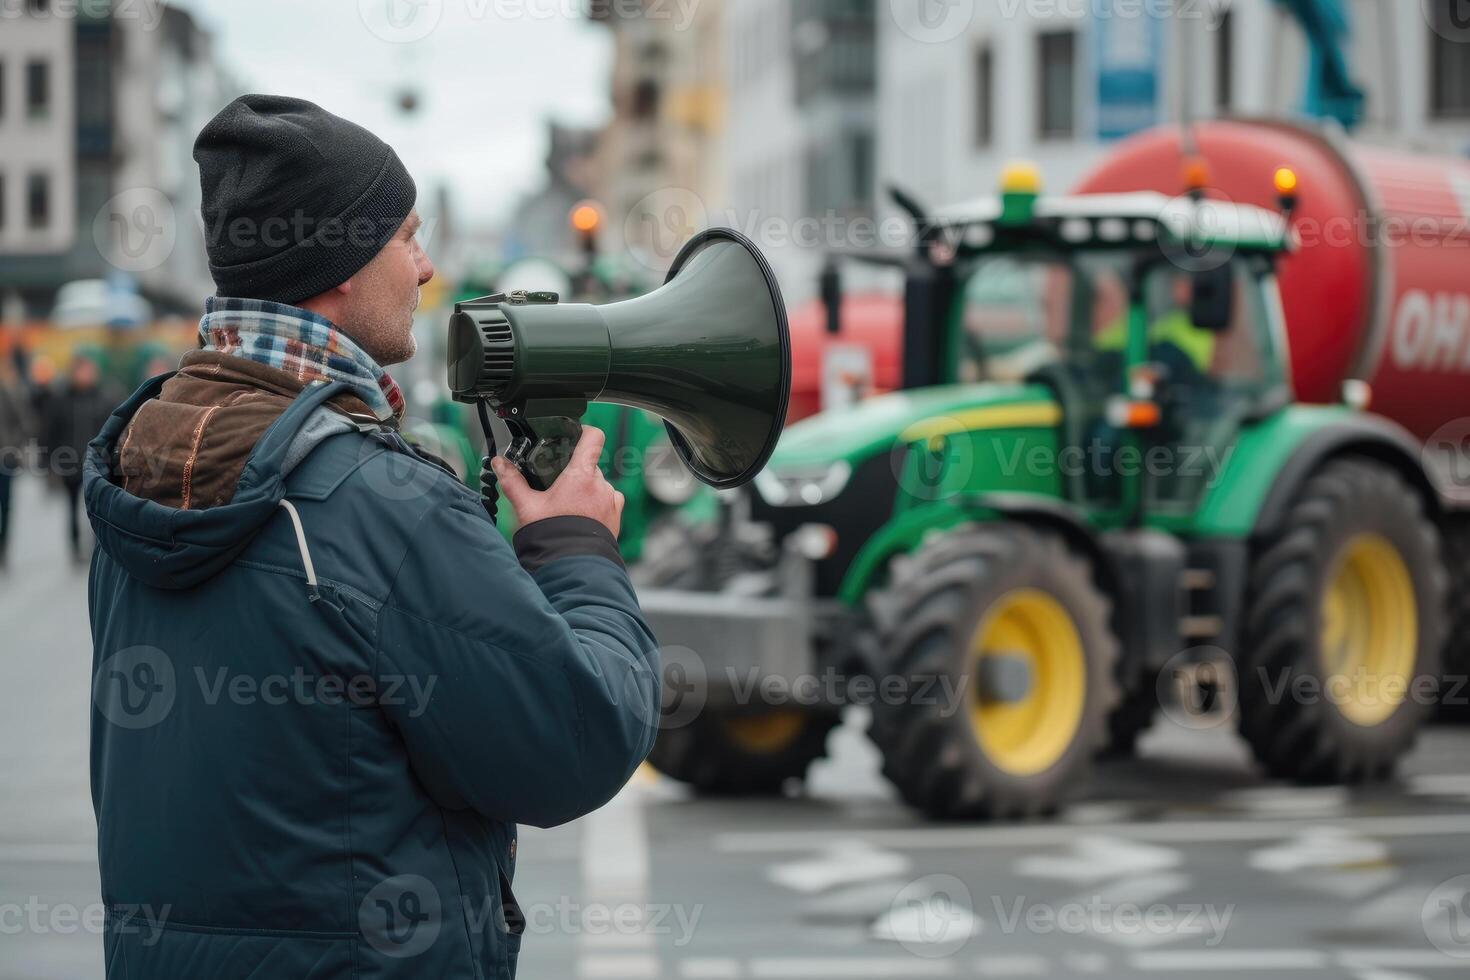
1286 188
1020 186
1196 176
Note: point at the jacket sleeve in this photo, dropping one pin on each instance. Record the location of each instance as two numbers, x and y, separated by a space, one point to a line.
545 678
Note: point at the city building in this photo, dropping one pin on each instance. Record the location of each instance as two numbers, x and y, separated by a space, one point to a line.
55 142
801 134
661 163
971 87
98 113
539 225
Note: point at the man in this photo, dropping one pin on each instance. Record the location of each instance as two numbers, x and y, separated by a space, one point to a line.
71 416
325 689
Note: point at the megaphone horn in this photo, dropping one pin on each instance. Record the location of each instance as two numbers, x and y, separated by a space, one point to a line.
709 352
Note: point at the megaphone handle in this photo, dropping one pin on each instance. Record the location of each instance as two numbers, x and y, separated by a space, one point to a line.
489 485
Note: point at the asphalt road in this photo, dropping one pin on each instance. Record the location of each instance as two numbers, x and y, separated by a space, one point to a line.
1179 863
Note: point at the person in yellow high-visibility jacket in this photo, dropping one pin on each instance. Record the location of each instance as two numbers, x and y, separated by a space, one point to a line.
1174 328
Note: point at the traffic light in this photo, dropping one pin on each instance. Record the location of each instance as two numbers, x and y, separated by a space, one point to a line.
586 219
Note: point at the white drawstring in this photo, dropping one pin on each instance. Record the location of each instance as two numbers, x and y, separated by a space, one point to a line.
305 552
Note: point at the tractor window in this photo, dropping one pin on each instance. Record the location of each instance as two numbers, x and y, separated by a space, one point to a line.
1019 312
1014 316
1232 357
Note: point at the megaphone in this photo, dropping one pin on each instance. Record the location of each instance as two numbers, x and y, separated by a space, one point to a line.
709 352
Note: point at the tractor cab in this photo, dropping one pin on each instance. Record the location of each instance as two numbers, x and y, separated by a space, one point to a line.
1155 323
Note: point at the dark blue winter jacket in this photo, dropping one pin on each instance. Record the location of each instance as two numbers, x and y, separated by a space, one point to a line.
321 709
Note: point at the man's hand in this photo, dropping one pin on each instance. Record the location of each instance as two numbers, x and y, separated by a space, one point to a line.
580 491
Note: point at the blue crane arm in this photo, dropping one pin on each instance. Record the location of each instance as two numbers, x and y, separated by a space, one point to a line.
1331 91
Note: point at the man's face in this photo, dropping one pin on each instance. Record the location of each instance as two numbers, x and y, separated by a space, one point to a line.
385 293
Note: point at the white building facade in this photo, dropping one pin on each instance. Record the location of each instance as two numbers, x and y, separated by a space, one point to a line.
966 87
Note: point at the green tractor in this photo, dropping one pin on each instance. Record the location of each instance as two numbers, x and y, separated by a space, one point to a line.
1096 476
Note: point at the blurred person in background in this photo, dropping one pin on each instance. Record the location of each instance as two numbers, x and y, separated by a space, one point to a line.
74 412
16 431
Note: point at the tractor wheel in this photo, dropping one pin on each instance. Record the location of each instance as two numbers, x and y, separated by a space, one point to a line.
1344 625
1455 690
1009 662
743 754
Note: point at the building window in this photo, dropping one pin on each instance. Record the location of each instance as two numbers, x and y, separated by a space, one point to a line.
1057 61
984 95
38 89
1225 63
38 202
1450 61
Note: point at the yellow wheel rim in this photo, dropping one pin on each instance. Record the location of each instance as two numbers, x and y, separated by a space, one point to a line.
767 733
1370 630
1028 734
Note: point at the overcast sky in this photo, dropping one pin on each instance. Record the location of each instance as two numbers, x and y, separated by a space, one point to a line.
490 73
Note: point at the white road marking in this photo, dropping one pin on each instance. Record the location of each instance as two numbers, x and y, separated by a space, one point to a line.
933 922
1012 966
1276 801
1454 784
615 857
1320 847
1042 835
1095 857
609 966
615 871
1399 959
1230 959
843 862
710 968
865 968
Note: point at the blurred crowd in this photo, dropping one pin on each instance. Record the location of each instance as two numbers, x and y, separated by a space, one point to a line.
48 414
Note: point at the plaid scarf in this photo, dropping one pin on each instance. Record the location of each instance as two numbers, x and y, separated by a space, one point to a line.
300 343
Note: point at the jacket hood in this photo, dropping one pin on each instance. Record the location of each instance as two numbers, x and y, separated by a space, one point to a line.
171 548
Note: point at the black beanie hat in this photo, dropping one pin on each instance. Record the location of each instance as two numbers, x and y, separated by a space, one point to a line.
296 200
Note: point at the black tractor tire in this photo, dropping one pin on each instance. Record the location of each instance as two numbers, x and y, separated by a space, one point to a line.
1296 727
1455 688
723 754
936 604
